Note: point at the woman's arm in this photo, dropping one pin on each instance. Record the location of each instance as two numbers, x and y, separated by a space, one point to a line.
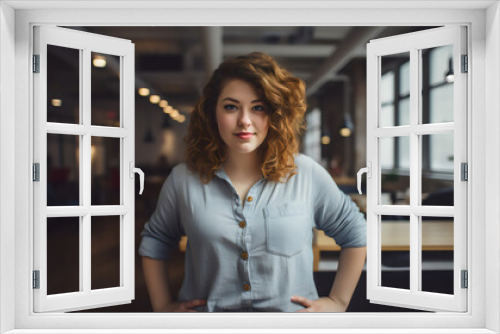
156 277
351 262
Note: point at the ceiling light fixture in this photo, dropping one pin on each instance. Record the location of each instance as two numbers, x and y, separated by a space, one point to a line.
99 62
449 75
154 99
144 91
347 128
56 102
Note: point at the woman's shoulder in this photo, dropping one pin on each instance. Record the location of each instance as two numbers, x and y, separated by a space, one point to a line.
308 167
305 162
180 168
181 172
185 177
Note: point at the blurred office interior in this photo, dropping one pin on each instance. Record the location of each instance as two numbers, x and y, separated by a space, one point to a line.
172 65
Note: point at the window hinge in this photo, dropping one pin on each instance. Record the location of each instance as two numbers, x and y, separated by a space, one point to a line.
36 63
465 279
465 64
36 172
36 279
465 171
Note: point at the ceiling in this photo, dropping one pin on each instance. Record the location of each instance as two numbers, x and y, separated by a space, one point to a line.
175 62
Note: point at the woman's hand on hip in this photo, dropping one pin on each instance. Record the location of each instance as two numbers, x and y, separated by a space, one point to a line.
183 306
323 304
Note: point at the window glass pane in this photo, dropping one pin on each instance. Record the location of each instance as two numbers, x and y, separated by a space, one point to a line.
394 85
437 87
395 251
387 115
387 153
441 104
441 152
440 64
404 152
63 255
63 85
404 93
404 79
105 90
404 111
437 254
105 261
63 170
437 186
105 171
387 87
437 150
395 178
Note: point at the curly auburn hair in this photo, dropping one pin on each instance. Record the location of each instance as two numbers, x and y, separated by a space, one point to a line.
284 97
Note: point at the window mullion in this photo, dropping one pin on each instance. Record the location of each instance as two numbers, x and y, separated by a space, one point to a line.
396 117
424 117
81 158
85 165
415 260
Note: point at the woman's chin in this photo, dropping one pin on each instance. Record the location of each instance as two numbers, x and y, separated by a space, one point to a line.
244 150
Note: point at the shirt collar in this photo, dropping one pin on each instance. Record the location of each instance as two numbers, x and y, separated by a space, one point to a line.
221 173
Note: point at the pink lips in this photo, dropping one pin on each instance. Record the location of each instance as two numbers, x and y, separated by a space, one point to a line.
244 135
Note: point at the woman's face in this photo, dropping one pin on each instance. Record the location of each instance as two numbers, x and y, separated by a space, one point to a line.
241 117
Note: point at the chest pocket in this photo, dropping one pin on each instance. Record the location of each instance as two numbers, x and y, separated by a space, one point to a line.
288 228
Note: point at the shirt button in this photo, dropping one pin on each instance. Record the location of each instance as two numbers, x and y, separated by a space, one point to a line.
244 255
246 287
249 198
242 224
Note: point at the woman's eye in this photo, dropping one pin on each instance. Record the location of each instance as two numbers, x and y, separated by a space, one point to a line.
259 108
229 106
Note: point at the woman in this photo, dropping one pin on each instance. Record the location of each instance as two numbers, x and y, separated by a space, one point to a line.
248 202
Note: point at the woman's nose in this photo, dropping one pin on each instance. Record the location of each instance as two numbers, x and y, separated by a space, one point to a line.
244 118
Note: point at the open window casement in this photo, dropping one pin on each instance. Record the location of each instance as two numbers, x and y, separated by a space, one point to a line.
429 122
76 143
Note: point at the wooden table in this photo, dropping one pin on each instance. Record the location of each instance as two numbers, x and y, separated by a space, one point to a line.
436 236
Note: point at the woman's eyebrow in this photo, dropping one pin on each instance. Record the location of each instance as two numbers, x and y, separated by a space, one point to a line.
234 100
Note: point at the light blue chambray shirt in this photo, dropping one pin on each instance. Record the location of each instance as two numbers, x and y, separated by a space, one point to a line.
252 257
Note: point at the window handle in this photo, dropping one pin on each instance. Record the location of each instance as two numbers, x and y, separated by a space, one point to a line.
367 170
141 175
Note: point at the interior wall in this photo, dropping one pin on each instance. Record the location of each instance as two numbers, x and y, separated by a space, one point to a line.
166 142
331 102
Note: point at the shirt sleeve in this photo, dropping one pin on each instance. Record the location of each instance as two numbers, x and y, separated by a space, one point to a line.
163 231
335 213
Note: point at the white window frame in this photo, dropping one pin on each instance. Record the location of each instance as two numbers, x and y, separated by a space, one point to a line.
414 43
483 21
86 43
